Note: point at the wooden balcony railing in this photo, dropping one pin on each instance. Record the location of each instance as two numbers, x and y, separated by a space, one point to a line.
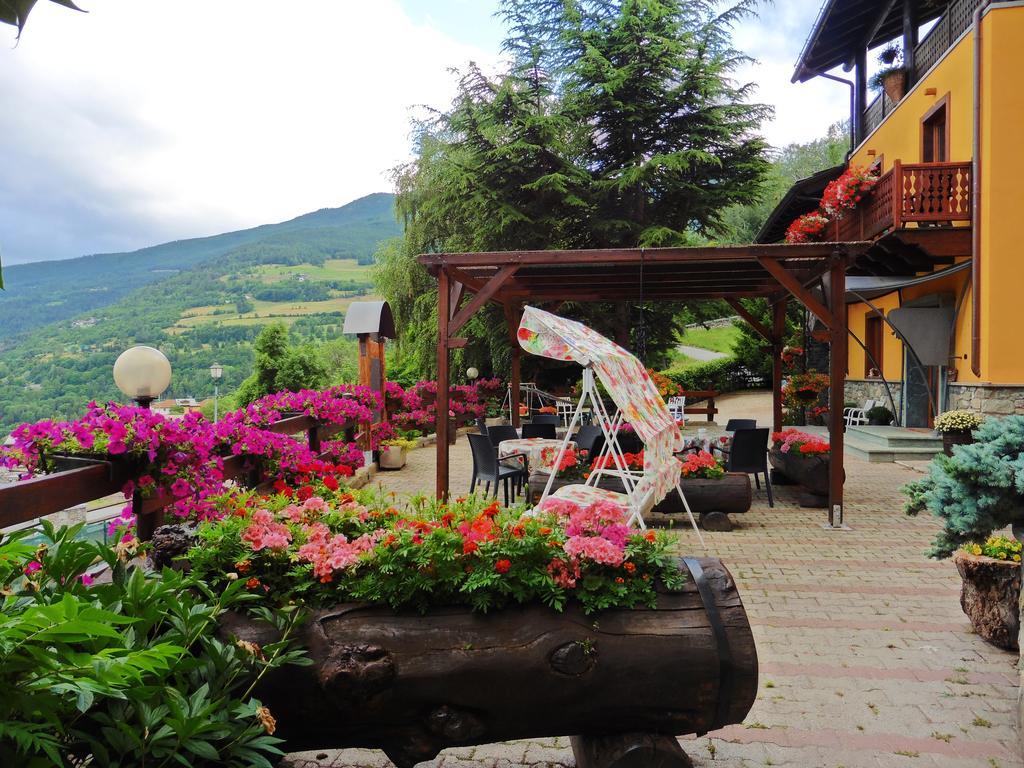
920 194
42 495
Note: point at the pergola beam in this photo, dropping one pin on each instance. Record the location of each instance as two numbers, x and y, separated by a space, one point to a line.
795 287
485 294
752 321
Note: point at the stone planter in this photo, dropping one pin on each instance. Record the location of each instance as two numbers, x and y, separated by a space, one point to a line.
990 596
949 439
811 472
711 500
392 457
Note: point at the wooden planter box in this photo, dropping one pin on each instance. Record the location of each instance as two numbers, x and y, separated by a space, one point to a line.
949 439
811 472
394 404
413 684
712 500
990 596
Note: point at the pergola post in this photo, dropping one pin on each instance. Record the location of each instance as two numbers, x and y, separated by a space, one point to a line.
778 337
836 395
515 380
443 316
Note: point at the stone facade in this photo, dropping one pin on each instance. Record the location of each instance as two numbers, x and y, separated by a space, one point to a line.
859 391
986 398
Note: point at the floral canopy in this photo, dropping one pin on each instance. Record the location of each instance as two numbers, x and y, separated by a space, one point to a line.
625 379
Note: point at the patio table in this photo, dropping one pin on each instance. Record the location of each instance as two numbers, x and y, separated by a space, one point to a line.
533 448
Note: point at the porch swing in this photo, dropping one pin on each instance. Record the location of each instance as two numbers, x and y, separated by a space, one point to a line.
637 402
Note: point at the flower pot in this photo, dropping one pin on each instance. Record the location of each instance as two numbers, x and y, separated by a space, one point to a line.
949 439
990 596
392 457
811 472
895 85
875 422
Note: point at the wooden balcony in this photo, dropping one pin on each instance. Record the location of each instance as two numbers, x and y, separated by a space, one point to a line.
910 197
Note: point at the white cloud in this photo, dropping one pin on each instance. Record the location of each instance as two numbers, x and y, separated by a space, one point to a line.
197 117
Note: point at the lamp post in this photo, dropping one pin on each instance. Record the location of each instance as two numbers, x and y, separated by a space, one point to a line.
142 373
216 371
472 374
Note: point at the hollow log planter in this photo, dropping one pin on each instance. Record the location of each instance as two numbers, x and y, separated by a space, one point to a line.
712 500
990 596
810 472
624 681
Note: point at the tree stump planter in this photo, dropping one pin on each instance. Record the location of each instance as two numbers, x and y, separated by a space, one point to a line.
990 596
414 684
712 500
949 439
810 472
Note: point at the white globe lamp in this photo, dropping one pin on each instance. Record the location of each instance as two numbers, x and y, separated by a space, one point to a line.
142 373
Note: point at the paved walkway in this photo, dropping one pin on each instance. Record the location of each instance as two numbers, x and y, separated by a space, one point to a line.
865 656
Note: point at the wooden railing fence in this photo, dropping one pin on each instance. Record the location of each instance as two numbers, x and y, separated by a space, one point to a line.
927 194
27 500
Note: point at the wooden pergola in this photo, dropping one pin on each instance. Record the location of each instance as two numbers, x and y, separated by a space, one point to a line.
773 272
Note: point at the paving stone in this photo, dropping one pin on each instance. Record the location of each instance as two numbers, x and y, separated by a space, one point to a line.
860 635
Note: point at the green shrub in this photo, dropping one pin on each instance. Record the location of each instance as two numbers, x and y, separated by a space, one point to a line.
879 413
977 490
129 672
723 375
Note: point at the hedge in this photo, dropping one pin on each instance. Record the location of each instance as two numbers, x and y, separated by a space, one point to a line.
723 375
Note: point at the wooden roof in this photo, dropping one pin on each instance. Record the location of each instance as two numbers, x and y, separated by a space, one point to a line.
845 26
635 273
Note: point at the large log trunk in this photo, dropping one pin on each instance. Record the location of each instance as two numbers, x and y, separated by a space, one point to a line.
414 684
729 494
812 472
990 597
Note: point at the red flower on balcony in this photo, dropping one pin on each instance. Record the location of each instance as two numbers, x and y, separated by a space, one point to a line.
843 194
807 229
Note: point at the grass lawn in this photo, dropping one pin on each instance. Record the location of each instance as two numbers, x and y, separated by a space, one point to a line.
333 269
718 339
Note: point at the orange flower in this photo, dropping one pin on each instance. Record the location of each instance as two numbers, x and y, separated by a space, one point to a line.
243 565
518 531
544 531
252 583
469 547
650 536
630 567
619 580
503 566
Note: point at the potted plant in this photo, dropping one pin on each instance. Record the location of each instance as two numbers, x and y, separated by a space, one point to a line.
892 77
804 459
879 416
990 595
975 492
956 428
393 452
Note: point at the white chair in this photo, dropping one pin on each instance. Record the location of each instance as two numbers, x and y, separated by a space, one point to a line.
566 409
858 416
677 408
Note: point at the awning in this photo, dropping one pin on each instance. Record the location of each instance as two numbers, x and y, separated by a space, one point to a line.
870 287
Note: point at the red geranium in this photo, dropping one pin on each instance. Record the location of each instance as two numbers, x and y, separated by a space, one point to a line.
503 566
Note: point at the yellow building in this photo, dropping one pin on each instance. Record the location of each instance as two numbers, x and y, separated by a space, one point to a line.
936 307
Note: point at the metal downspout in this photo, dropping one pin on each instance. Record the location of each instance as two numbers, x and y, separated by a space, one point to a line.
976 197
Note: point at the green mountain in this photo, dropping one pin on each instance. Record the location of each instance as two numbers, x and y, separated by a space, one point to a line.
200 301
44 292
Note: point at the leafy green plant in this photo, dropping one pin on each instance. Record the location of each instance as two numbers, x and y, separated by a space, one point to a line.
130 671
879 415
977 490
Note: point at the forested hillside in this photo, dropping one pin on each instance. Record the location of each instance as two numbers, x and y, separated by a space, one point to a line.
200 301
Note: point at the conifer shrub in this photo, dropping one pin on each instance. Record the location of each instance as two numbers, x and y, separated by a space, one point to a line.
977 490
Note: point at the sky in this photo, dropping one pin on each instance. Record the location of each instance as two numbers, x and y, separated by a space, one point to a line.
144 121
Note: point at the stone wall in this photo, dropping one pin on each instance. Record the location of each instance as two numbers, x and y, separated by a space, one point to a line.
860 391
986 398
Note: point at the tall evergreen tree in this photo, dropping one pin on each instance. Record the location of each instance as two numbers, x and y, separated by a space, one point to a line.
617 125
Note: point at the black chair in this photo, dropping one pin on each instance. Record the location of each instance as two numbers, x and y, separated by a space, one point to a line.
547 418
487 470
533 429
502 432
749 454
481 426
735 424
589 438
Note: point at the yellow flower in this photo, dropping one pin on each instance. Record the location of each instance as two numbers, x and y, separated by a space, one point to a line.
1016 558
266 720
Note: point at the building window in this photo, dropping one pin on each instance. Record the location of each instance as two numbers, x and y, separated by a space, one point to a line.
935 133
873 342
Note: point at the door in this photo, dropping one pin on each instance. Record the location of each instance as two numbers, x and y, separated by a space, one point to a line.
920 393
935 134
